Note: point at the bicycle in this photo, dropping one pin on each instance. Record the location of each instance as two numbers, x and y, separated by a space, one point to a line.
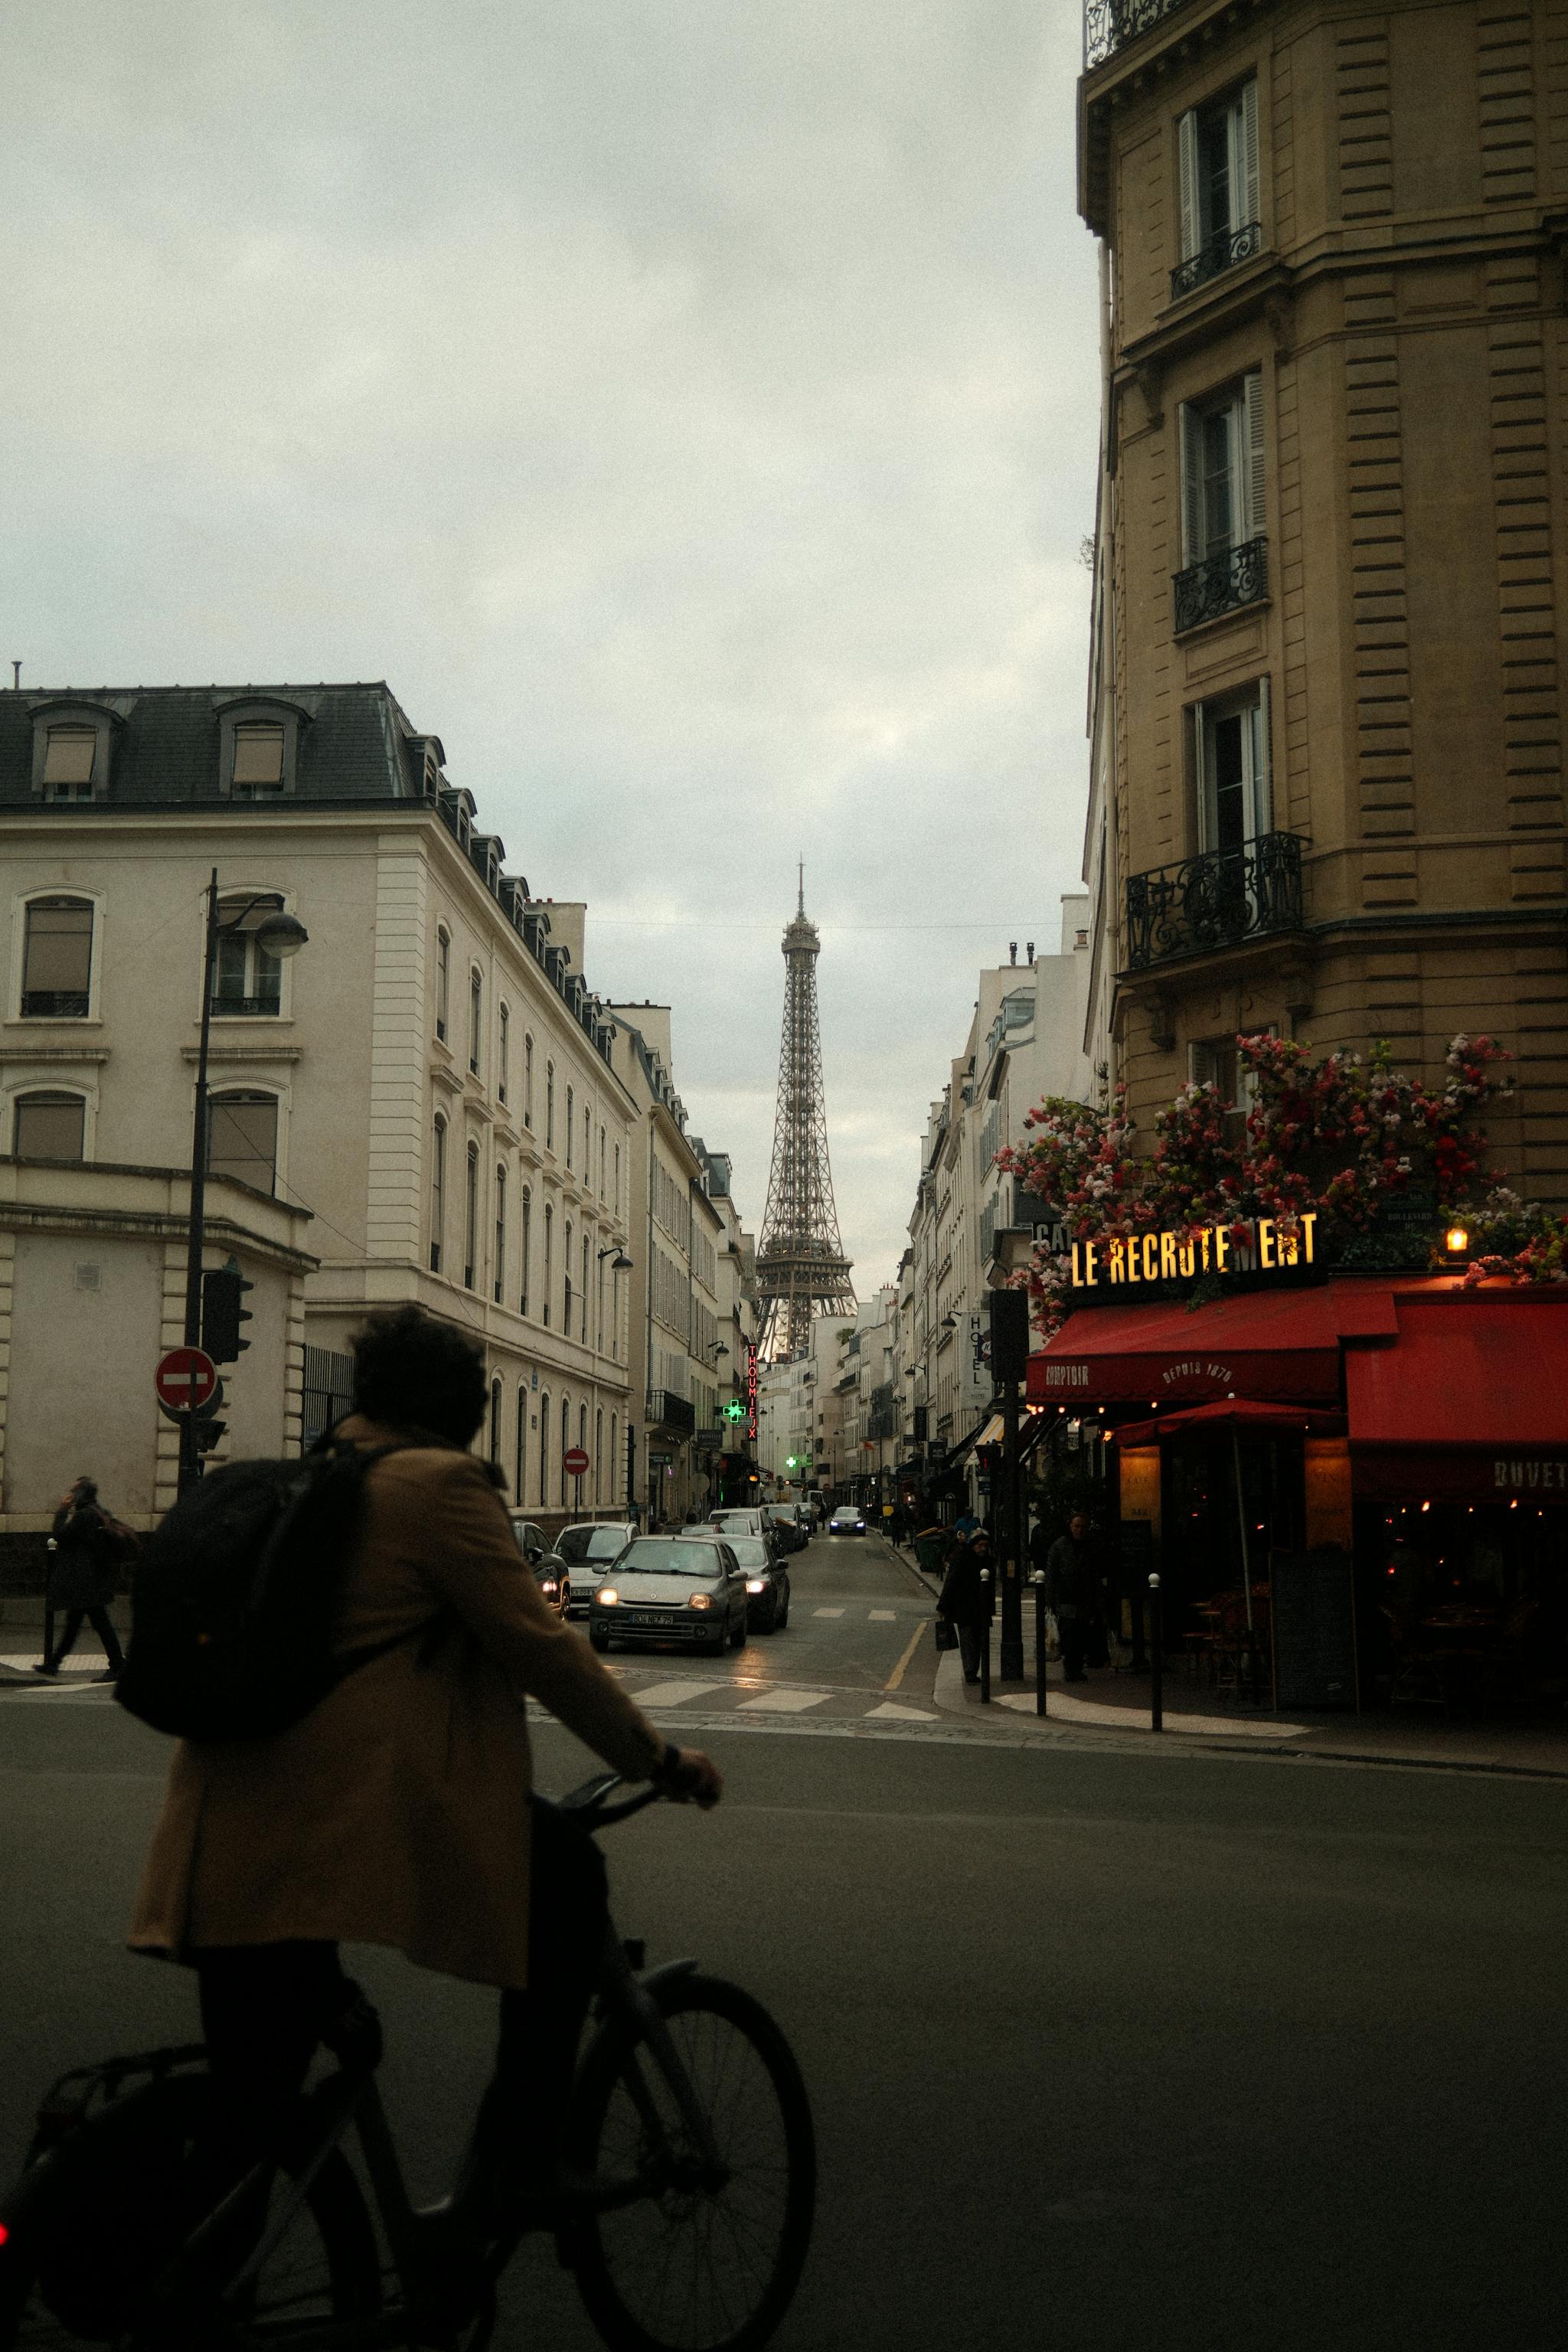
689 2137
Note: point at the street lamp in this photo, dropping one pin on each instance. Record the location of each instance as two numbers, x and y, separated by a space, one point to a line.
282 935
619 1261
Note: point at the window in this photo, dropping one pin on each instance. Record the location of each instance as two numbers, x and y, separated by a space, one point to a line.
601 1164
587 1143
617 1180
438 1191
495 1420
599 1455
242 1138
443 983
521 1440
471 1218
583 1335
503 1055
566 1441
1215 1062
245 977
499 1268
544 1446
599 1308
1216 155
527 1081
1224 551
1230 747
257 760
614 1462
568 1127
550 1105
549 1249
475 1019
71 754
566 1267
527 1247
50 1127
56 959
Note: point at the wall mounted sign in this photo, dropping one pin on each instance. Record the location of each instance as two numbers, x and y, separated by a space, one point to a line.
1246 1247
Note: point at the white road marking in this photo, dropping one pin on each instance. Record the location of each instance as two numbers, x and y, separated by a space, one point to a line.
883 1616
676 1694
783 1702
886 1712
828 1613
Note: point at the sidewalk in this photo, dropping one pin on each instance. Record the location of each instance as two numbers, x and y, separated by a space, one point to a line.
1195 1718
22 1645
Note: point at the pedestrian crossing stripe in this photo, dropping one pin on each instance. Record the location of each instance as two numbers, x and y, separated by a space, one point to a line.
777 1702
828 1613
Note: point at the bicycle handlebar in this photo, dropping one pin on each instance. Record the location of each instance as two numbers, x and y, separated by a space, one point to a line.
591 1802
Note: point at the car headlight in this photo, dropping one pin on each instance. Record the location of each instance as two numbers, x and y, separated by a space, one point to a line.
548 1584
607 1597
757 1583
699 1600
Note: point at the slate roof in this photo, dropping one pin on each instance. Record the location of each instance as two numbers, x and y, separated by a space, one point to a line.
355 743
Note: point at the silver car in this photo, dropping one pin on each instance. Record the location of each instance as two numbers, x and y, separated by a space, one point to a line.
687 1589
588 1550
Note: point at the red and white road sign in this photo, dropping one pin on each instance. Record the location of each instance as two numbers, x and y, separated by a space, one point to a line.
184 1379
576 1461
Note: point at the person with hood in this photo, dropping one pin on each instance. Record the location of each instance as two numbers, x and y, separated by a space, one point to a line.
84 1564
963 1599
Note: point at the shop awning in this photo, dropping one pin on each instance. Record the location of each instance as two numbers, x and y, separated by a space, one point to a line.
1470 1399
1243 1414
1266 1344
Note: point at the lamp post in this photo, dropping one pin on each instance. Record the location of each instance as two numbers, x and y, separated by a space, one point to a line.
282 935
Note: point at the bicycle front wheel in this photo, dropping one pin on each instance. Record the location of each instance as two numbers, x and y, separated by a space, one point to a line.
687 2268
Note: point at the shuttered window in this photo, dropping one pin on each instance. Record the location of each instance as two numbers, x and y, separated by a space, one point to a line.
69 756
1217 167
1231 769
56 959
50 1127
1224 474
242 1138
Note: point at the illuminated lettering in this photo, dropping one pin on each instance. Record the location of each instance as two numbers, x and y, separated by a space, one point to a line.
1167 1257
1151 1258
1077 1271
1187 1259
1118 1270
1221 1249
1091 1277
1308 1219
1266 1241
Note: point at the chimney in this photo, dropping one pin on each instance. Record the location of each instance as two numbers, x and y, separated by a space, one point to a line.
1029 952
1012 951
1081 940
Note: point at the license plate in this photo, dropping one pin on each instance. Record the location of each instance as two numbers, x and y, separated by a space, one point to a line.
642 1618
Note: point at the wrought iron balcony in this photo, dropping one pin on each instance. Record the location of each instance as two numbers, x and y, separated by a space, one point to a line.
1109 25
1221 583
1214 900
1223 251
667 1410
54 1004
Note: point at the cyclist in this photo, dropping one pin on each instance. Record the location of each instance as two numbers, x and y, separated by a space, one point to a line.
399 1810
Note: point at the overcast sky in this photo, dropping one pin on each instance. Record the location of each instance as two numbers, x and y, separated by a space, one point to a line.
687 406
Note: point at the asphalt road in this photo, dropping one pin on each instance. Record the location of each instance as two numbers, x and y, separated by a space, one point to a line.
1107 2049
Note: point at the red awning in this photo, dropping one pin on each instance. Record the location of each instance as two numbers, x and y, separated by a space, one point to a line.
1242 1413
1470 1399
1271 1344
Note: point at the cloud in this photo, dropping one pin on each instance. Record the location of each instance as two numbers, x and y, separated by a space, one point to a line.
689 410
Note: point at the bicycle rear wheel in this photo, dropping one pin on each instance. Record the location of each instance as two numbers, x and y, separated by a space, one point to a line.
89 2226
685 2269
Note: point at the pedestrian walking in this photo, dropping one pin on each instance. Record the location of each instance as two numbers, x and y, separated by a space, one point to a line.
1073 1591
84 1569
962 1600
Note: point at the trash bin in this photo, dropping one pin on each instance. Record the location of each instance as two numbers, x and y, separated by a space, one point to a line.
927 1549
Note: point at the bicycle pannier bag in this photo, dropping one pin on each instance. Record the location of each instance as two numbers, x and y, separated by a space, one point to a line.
235 1598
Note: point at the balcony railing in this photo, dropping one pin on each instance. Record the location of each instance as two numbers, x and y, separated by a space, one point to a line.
1221 583
1214 900
54 1004
1109 25
1224 250
667 1410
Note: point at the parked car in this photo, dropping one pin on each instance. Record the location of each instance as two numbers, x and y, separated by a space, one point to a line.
588 1550
739 1521
848 1519
767 1584
785 1519
687 1589
550 1572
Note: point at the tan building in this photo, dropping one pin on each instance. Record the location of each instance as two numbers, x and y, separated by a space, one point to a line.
1326 697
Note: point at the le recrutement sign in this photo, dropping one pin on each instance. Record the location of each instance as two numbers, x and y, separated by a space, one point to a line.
1120 1266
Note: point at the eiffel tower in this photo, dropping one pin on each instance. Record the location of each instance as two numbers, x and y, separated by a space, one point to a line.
801 1270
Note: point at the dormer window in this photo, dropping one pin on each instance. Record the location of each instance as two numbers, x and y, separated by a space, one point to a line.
258 759
69 756
72 743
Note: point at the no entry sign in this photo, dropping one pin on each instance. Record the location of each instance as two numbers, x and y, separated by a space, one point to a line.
576 1461
185 1380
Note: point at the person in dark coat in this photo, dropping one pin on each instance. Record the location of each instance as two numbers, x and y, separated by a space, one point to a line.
83 1573
1072 1590
961 1599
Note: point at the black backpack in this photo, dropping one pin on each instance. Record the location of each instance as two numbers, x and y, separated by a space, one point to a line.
236 1597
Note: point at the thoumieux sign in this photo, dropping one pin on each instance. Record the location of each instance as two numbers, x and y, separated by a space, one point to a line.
1246 1247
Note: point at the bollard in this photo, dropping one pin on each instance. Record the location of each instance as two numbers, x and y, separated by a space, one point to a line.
986 1637
1156 1656
1038 1582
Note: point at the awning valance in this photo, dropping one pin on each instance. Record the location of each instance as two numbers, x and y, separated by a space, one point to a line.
1243 1414
1469 1402
1281 1345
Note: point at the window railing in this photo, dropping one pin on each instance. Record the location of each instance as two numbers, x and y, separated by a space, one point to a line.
1224 250
1214 900
667 1410
1109 25
54 1004
1221 583
271 1002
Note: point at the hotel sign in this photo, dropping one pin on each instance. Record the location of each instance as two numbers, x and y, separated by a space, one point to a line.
1125 1265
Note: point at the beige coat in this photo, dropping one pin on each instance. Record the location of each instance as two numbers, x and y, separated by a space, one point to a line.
397 1811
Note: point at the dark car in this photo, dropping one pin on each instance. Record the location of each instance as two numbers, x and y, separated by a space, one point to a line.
550 1572
785 1520
687 1589
848 1519
767 1584
588 1550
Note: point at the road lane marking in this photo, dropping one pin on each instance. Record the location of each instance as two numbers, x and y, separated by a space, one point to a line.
828 1613
883 1616
886 1712
783 1702
896 1676
676 1694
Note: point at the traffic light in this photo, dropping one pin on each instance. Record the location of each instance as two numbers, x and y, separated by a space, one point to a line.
222 1288
208 1432
1009 1334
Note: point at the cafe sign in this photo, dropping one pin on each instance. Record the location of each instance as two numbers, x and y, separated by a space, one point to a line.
1246 1247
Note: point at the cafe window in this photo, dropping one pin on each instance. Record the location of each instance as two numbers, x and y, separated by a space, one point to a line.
50 1127
56 959
242 1138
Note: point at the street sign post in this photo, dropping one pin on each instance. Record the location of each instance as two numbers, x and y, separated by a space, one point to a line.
576 1461
185 1380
